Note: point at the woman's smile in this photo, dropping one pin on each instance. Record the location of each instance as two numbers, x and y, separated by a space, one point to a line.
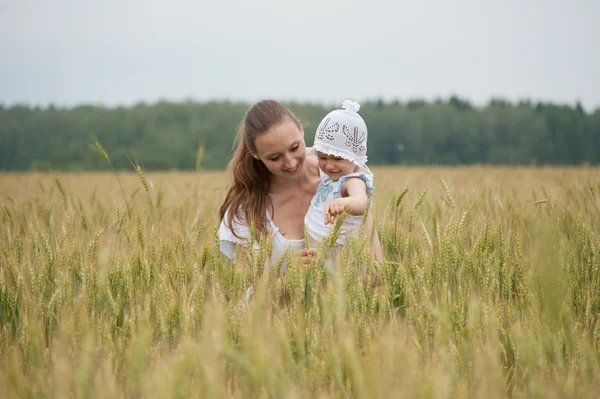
294 169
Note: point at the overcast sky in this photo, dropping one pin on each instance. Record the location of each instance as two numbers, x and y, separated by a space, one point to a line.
114 52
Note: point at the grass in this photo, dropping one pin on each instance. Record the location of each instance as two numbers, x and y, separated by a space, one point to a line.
491 287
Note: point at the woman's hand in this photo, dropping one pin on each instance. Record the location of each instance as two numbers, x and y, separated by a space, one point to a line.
308 254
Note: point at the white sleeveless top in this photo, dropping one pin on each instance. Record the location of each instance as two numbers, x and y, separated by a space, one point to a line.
227 239
327 191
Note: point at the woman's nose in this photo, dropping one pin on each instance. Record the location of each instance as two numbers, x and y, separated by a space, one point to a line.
289 161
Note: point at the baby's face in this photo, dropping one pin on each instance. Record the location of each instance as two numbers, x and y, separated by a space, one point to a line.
335 167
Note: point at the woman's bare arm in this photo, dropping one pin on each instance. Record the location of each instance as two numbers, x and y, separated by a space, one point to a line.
376 251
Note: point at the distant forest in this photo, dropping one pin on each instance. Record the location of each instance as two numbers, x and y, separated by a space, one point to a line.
188 135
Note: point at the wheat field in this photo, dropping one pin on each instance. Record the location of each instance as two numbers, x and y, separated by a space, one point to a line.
111 287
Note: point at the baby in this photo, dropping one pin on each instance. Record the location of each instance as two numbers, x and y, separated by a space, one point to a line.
346 182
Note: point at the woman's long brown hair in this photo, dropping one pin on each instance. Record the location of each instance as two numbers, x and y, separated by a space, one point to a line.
248 195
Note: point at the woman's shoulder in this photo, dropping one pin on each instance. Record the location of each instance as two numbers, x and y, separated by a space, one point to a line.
238 224
312 162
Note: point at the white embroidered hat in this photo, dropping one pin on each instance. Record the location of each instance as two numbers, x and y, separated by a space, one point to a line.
343 133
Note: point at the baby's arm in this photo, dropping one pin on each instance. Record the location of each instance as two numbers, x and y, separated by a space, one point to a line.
355 203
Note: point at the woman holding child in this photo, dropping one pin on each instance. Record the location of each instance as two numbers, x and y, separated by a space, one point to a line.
275 178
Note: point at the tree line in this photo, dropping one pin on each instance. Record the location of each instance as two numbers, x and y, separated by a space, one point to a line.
185 135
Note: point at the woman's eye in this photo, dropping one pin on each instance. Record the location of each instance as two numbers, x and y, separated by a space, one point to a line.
275 158
295 148
338 158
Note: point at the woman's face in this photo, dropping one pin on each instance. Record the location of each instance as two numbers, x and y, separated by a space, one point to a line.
282 149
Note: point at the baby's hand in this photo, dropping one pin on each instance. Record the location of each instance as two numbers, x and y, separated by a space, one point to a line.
334 208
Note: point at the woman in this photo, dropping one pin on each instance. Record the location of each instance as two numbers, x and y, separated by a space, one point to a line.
273 183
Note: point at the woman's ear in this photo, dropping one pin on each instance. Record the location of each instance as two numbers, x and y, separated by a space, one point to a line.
255 155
